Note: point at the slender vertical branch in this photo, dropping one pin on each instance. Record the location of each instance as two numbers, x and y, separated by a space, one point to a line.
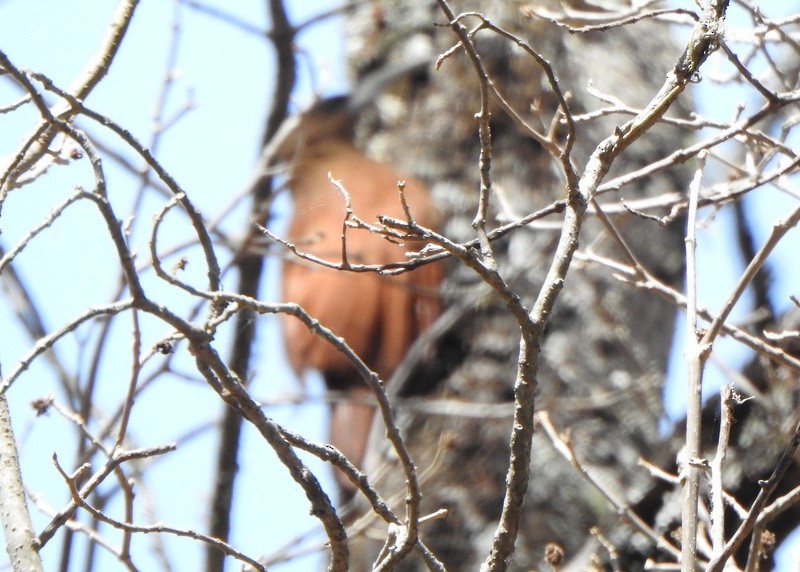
696 355
483 118
17 526
718 467
767 489
525 386
250 267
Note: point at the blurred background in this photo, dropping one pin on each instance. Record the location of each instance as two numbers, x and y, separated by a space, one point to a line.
192 82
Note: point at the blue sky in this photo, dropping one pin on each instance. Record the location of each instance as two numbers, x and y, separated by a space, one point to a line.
211 151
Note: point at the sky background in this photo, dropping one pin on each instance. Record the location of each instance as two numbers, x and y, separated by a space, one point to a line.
211 150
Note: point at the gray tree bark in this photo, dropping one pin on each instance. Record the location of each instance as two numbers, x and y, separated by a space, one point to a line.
607 344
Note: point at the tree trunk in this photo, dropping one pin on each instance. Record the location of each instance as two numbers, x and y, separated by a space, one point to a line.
606 346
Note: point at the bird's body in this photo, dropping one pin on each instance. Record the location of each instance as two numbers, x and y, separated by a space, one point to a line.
378 316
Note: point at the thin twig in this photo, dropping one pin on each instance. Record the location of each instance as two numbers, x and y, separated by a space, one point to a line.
717 466
696 355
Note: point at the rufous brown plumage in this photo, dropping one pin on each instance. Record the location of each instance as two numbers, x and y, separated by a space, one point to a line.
378 316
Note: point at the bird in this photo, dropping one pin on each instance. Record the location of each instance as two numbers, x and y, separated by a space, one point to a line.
378 316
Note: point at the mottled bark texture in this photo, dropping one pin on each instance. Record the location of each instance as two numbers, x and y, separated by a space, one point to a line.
605 350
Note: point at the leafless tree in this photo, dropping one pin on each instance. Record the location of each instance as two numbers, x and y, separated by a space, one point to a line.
525 429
